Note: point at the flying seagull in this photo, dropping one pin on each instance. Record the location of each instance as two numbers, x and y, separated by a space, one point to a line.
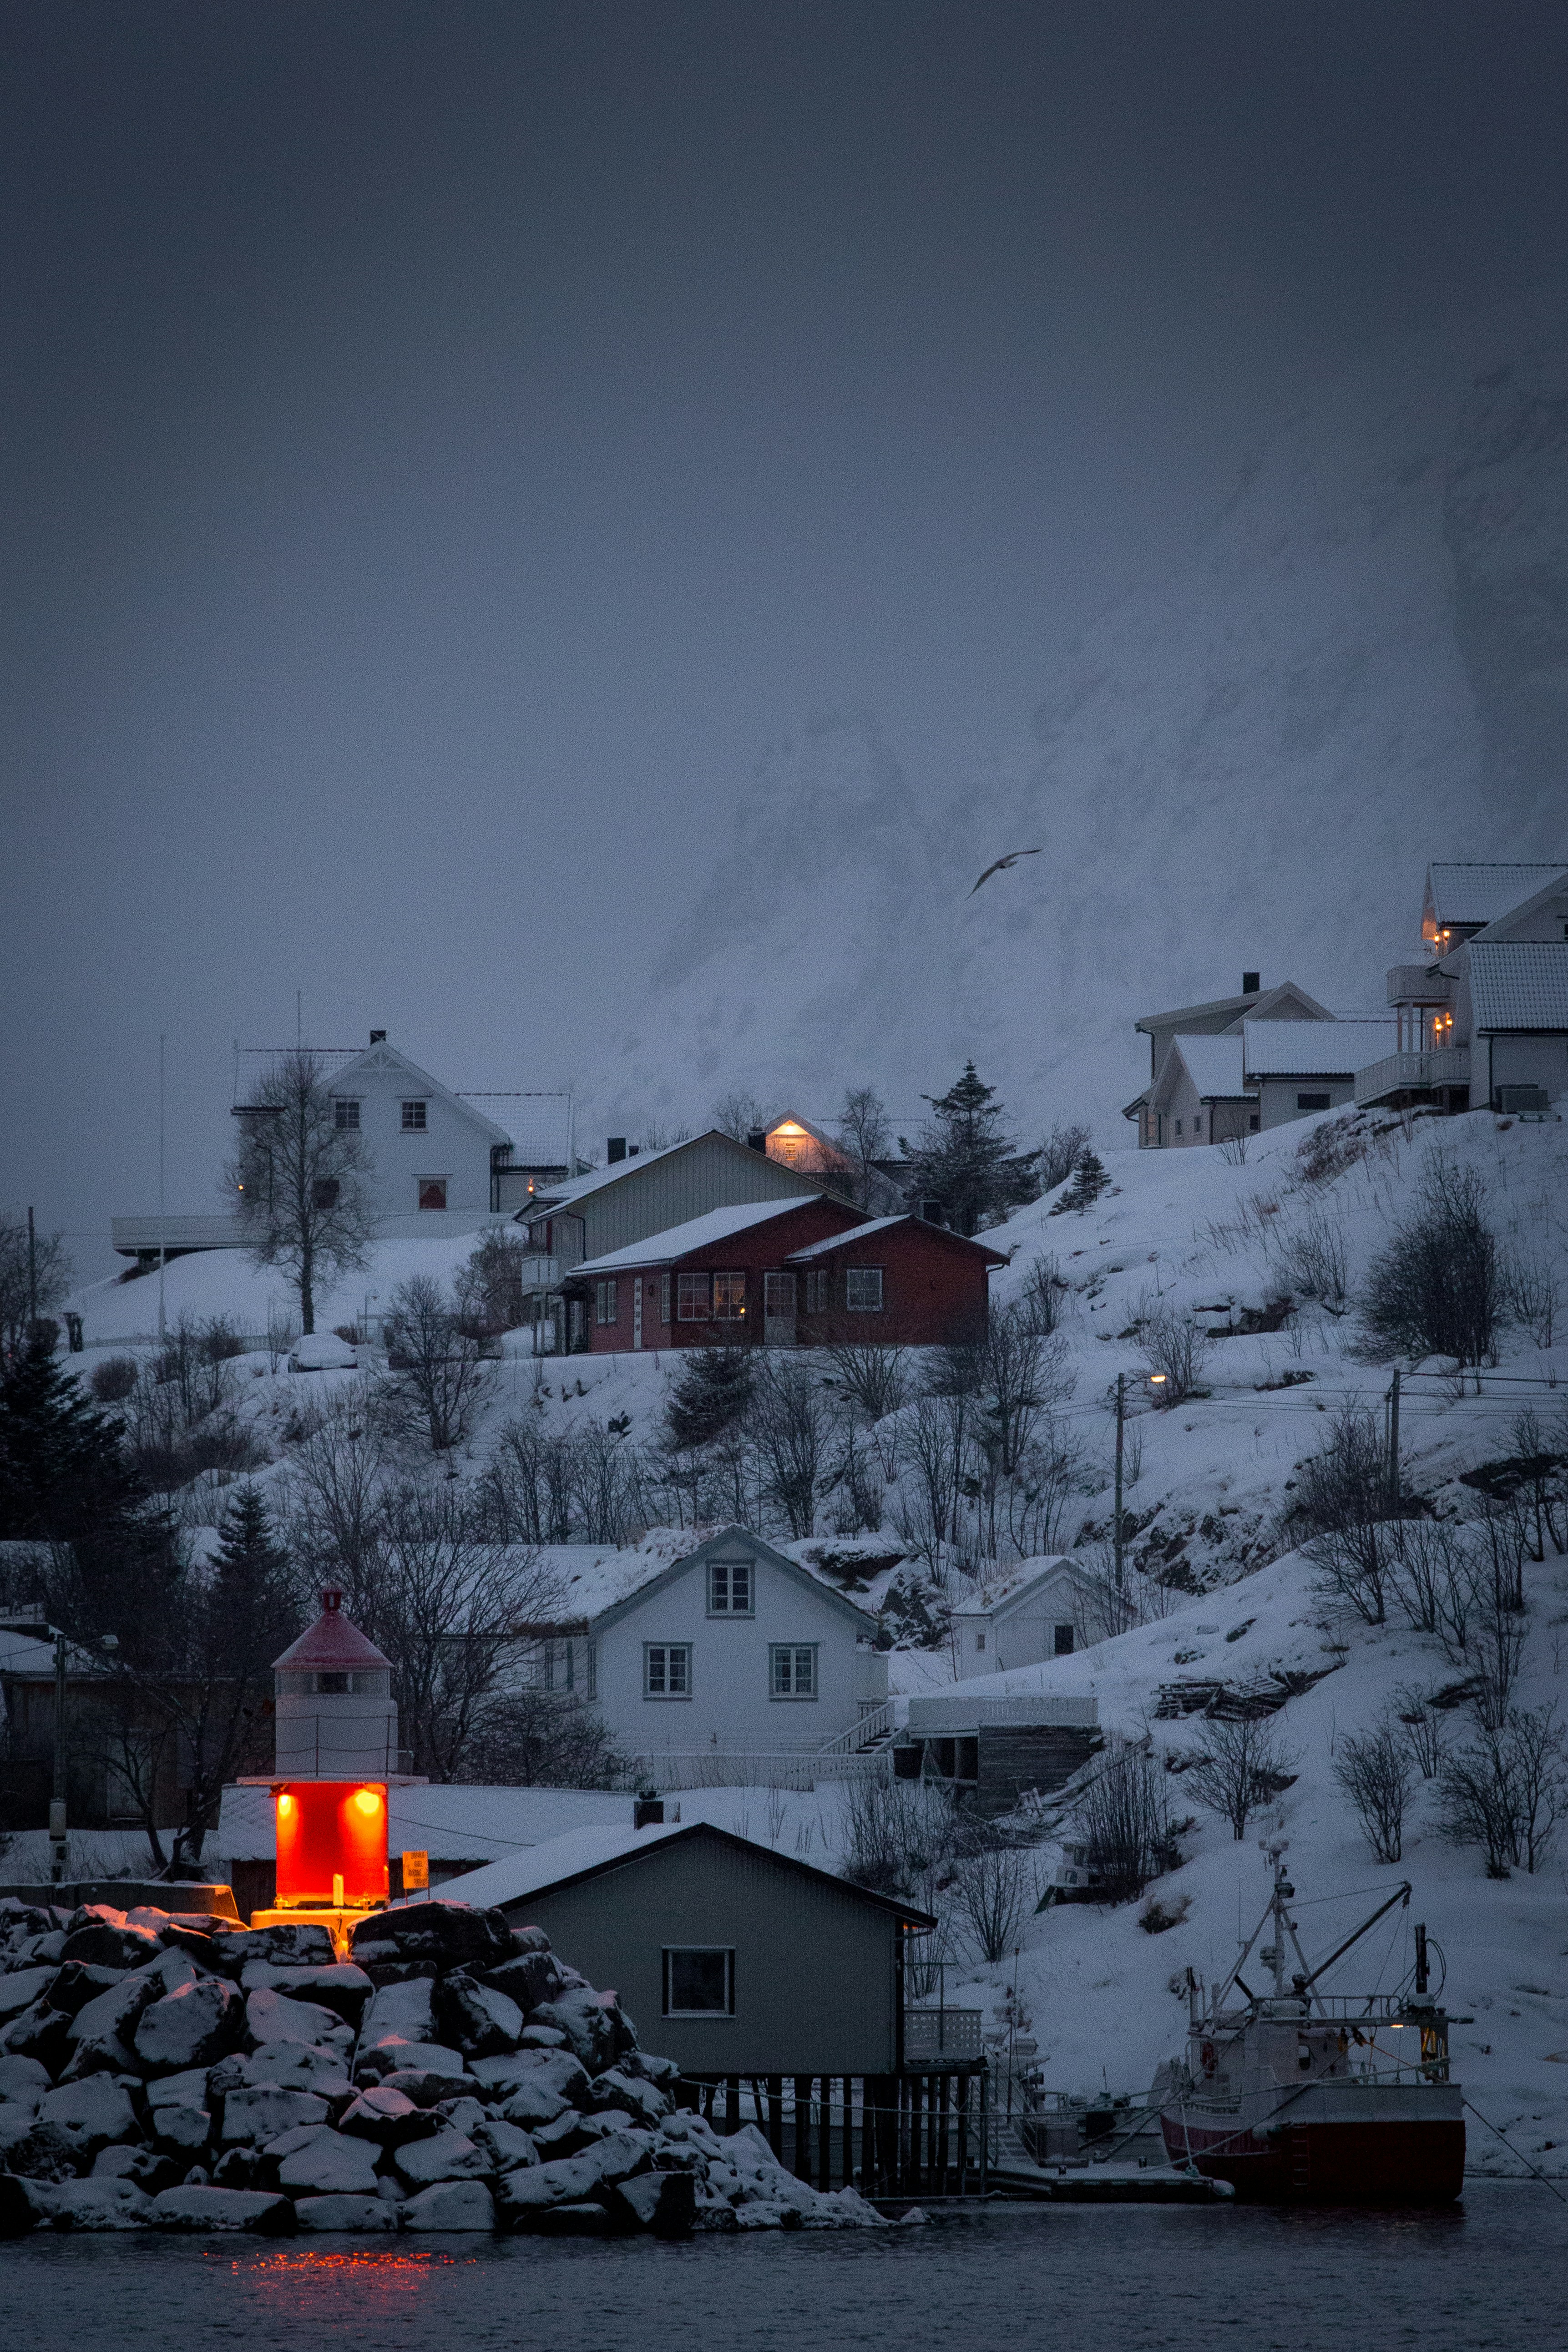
1003 863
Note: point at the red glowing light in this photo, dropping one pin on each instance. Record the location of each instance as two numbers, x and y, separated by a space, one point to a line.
328 1832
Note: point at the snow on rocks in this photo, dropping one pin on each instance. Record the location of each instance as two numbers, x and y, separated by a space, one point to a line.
175 2073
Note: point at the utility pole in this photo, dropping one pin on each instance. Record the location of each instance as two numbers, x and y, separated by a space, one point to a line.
32 1281
1394 1446
58 1801
1121 1420
162 1234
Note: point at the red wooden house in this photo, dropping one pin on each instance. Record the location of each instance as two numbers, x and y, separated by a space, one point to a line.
808 1273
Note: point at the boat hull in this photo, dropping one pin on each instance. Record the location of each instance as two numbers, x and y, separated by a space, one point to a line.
1396 2160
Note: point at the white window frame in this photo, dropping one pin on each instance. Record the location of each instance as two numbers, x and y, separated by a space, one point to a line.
607 1301
666 1652
345 1114
778 1652
730 1295
700 1309
419 1185
780 1294
416 1117
723 1577
864 1274
670 1952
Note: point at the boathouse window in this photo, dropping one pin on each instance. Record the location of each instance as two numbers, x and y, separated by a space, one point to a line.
698 1981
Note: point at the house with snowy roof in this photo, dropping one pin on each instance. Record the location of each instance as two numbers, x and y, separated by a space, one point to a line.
1221 1017
1482 1015
809 1273
1022 1616
1211 1089
728 1649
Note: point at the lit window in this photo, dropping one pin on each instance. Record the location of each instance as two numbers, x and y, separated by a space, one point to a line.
413 1117
432 1192
863 1290
792 1669
667 1670
730 1588
345 1114
607 1303
693 1301
729 1297
698 1981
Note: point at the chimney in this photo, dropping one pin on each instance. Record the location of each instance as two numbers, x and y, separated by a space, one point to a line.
1251 983
615 1147
758 1139
378 1036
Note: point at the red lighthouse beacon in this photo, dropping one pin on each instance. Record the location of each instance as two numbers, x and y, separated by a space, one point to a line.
336 1756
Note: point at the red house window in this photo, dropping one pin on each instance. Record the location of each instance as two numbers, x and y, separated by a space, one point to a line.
693 1298
729 1297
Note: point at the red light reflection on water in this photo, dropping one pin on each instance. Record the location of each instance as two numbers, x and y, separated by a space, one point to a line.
286 2274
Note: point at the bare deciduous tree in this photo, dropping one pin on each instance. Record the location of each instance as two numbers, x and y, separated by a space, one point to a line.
1507 1790
1123 1817
1176 1350
739 1114
29 1285
1376 1772
297 1182
1060 1152
1342 1501
790 1428
1241 1765
993 1895
864 1137
436 1366
1435 1289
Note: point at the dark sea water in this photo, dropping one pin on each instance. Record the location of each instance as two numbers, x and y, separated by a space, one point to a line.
1492 2273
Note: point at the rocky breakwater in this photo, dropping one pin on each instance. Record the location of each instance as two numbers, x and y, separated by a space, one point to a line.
161 2070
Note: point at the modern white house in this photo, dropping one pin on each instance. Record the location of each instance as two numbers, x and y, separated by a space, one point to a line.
1022 1616
734 1652
1262 1075
1162 1119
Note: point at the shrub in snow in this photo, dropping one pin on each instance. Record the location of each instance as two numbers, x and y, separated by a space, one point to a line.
1123 1818
1240 1766
1436 1288
1176 1350
1376 1774
1157 1916
1506 1791
994 1891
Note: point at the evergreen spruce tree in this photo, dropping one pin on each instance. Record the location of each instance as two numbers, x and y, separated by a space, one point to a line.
964 1158
1090 1178
712 1389
63 1468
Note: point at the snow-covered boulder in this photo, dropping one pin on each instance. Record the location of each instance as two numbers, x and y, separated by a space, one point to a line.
451 2205
191 2026
643 2102
255 2116
291 2065
540 2084
95 2204
181 2130
664 2202
251 2209
596 2032
506 2145
341 1988
93 2114
445 2155
454 1934
23 1986
41 2032
387 2118
106 1939
350 2215
474 2017
332 2164
24 2081
273 2016
528 1978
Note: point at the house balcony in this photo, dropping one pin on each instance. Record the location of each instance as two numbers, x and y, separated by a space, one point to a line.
1418 983
540 1272
143 1238
1445 1068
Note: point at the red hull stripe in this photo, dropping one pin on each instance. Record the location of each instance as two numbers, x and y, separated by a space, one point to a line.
1329 2164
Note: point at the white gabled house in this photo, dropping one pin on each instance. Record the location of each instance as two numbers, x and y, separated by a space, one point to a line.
1022 1616
733 1650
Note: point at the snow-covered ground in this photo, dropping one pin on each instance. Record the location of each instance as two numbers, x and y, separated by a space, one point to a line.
1209 1484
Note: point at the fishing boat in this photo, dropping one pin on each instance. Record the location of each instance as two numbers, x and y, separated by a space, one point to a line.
1297 2096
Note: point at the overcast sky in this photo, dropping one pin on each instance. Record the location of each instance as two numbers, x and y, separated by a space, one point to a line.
446 444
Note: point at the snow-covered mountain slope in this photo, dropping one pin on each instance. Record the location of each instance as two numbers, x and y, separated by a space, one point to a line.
1245 765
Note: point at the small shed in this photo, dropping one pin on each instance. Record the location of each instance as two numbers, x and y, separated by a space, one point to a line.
995 1751
733 1958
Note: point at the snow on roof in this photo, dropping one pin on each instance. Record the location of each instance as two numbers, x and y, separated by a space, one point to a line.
1315 1048
697 1233
537 1126
456 1821
557 1858
1257 1002
1215 1065
333 1640
1480 894
852 1233
575 1188
1519 983
1009 1582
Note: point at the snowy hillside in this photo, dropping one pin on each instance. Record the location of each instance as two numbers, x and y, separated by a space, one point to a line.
1245 765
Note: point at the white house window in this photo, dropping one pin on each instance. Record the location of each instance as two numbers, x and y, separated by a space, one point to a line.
693 1296
432 1192
667 1670
979 1641
863 1290
1064 1641
345 1114
698 1981
606 1304
792 1669
1311 1102
817 1291
413 1117
729 1297
730 1588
